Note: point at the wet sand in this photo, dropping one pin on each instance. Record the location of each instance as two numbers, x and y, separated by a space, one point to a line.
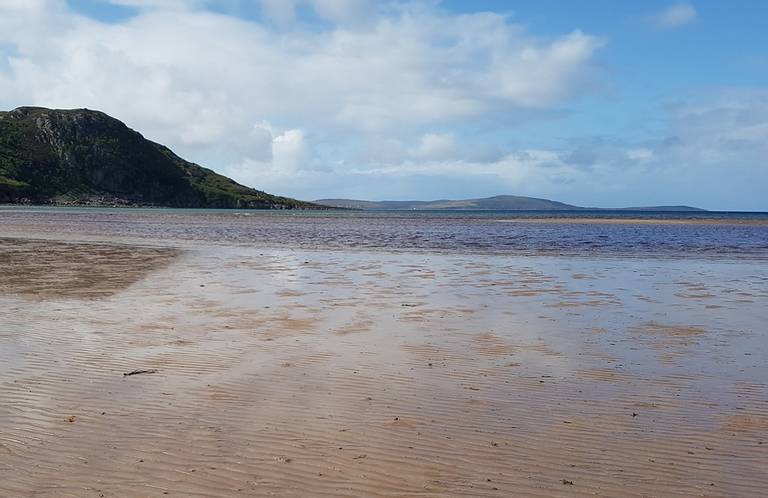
353 373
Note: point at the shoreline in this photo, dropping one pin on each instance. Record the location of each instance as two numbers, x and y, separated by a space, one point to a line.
590 238
130 206
192 244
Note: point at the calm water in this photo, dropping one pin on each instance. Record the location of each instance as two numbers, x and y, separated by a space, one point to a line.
611 233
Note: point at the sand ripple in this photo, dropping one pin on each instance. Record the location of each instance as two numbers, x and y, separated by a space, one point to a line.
481 385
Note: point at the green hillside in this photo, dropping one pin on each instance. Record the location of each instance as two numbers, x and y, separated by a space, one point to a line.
84 157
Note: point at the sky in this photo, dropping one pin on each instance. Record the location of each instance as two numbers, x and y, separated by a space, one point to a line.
594 103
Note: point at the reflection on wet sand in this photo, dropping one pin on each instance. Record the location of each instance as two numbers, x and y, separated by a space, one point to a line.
308 373
46 269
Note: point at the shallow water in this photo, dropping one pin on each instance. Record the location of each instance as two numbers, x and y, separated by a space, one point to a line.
615 233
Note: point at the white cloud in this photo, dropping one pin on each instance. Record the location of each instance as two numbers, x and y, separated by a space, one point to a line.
419 66
676 15
9 6
713 156
345 95
289 151
278 156
537 76
436 146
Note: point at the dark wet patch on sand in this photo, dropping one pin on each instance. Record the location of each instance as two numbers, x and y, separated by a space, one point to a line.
58 270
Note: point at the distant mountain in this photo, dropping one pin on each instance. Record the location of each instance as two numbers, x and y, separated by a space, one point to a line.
84 157
499 202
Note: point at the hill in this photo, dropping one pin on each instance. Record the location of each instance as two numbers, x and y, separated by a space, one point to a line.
499 202
85 157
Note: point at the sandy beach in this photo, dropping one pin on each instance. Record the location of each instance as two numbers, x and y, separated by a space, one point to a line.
285 372
383 249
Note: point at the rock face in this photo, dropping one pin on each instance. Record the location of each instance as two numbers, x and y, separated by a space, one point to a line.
84 157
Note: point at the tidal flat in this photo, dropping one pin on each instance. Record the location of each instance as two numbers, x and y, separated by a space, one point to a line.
275 371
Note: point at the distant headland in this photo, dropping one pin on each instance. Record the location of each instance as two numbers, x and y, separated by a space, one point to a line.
499 202
81 157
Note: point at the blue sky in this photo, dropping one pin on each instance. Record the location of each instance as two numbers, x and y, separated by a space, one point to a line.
597 102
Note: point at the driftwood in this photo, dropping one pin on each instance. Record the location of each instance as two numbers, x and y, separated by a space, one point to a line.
139 372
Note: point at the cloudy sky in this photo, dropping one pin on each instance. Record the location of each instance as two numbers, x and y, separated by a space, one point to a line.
598 102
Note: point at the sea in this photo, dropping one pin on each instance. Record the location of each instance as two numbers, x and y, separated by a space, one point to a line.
703 234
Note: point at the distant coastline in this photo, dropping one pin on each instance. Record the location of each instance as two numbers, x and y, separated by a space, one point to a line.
495 203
